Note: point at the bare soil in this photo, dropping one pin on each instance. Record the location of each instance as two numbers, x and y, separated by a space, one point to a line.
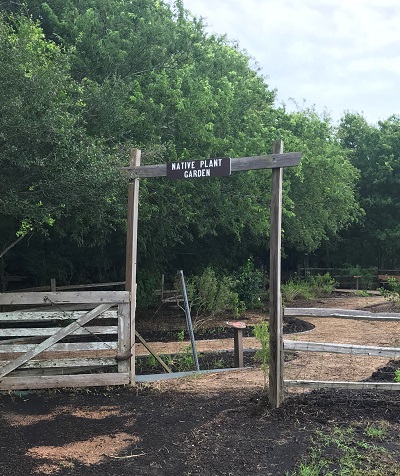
217 424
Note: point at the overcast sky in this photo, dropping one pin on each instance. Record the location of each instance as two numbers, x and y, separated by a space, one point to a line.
334 54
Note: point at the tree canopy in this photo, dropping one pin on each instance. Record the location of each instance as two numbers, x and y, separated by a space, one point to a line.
83 81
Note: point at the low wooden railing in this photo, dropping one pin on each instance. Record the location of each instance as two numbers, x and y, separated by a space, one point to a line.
377 351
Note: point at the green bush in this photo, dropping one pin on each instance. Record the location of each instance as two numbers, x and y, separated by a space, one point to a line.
249 285
322 285
296 289
393 293
367 275
397 375
209 294
312 287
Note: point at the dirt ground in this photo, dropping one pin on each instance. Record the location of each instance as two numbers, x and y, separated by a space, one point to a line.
217 424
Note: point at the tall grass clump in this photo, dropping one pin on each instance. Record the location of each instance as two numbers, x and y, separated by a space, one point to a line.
309 288
261 332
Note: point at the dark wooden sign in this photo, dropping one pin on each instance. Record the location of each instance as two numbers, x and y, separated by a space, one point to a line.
187 169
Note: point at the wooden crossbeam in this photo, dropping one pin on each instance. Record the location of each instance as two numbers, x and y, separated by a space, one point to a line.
239 164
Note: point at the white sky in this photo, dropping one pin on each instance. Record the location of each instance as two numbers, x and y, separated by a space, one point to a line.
335 54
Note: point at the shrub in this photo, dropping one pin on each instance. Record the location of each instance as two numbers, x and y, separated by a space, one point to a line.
249 285
322 285
397 375
213 295
393 293
296 289
313 286
367 275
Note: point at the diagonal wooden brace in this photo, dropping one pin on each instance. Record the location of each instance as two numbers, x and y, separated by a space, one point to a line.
53 339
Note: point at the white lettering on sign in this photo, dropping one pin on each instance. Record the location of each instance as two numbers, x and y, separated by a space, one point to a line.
197 173
207 163
216 167
182 165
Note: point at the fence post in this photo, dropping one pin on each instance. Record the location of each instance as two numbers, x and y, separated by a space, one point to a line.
275 312
131 252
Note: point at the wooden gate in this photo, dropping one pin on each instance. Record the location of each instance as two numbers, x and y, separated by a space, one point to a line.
45 342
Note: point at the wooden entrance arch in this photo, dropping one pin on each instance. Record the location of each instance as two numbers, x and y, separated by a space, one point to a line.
275 161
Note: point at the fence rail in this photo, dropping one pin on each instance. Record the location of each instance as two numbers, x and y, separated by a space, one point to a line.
350 349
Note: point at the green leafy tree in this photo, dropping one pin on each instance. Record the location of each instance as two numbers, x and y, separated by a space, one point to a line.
320 193
54 177
375 151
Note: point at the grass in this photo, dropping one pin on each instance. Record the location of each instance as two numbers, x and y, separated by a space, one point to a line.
312 287
355 450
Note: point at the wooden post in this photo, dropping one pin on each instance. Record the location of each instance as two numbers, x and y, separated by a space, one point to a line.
53 285
238 347
131 253
275 313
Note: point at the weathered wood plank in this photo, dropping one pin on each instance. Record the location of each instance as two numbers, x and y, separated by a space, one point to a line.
65 363
344 385
275 316
53 339
153 352
131 251
390 352
40 315
238 164
60 381
49 331
124 351
75 286
64 347
342 314
87 297
52 371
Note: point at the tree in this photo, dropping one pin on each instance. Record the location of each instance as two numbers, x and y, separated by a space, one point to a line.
50 167
375 151
320 193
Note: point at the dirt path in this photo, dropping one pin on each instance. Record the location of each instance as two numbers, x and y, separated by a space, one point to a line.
307 365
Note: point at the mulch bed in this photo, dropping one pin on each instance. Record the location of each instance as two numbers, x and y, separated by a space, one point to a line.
179 434
291 325
154 430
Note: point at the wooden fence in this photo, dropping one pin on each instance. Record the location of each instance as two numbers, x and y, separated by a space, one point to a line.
46 343
377 351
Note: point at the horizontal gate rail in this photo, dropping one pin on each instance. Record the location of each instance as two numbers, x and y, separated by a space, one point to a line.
63 347
48 331
41 315
65 363
61 381
87 297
